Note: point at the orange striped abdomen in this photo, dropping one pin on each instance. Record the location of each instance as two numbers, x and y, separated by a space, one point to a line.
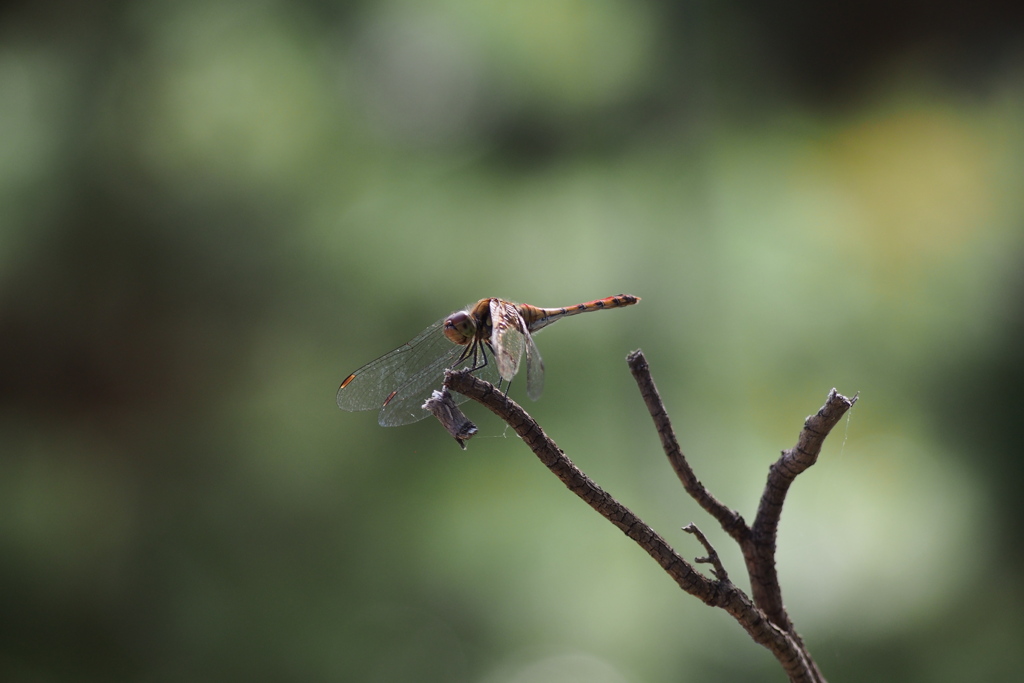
536 318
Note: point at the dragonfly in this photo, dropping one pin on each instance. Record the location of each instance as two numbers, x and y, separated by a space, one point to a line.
489 338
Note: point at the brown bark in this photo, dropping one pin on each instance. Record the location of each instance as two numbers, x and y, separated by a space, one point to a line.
763 617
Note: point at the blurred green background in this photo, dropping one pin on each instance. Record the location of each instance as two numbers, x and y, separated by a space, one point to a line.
212 211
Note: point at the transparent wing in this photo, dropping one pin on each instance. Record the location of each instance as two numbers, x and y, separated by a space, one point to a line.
406 406
368 387
508 337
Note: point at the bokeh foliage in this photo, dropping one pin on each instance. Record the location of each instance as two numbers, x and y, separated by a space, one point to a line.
211 212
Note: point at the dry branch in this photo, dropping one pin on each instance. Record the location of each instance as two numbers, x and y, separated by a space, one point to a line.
763 617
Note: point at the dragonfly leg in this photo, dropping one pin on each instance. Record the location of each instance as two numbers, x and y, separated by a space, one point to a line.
470 350
479 350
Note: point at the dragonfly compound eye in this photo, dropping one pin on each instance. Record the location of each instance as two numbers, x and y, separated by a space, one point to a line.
459 328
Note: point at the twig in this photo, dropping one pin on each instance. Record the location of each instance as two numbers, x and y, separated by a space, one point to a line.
782 473
717 568
731 521
759 553
721 593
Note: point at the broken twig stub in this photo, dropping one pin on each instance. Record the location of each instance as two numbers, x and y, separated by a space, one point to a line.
442 406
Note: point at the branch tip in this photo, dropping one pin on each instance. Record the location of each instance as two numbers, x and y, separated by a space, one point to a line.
718 569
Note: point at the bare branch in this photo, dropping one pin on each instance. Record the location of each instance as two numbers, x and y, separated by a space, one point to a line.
760 553
583 486
732 522
721 593
757 542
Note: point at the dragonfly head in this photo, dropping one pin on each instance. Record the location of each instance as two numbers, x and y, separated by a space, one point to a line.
460 328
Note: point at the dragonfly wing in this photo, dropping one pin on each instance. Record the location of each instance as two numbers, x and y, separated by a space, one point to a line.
368 387
405 406
508 338
534 369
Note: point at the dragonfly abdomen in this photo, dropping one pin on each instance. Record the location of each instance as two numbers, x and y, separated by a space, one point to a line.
537 317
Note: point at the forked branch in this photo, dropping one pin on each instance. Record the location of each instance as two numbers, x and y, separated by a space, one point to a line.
763 618
583 486
756 542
